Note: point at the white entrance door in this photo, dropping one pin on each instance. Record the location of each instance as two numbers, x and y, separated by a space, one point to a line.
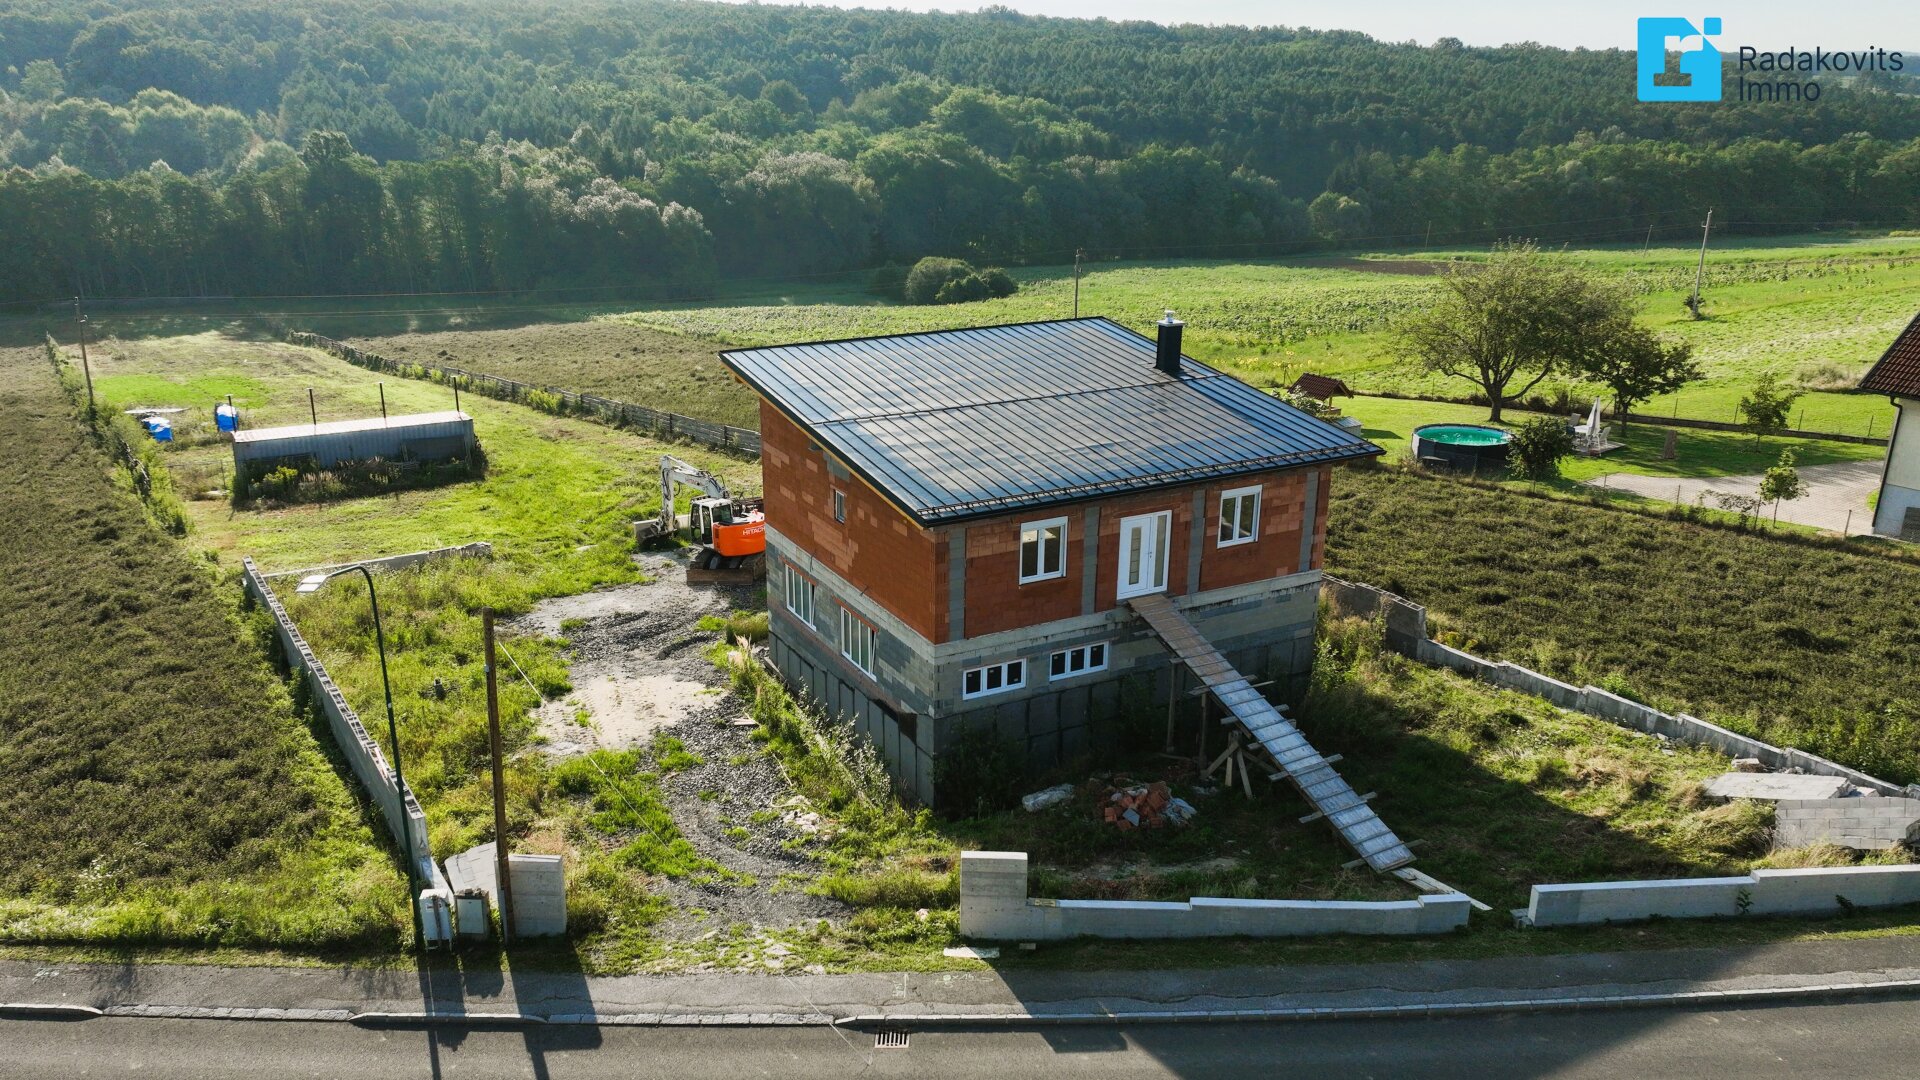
1143 554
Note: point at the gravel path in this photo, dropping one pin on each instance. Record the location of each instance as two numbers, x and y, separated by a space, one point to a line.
639 665
1836 496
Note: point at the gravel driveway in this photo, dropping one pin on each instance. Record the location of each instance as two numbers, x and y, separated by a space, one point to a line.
1836 498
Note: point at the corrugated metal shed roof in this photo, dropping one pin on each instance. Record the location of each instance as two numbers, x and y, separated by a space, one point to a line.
348 427
956 424
1897 372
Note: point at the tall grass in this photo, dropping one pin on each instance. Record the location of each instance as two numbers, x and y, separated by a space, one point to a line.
1800 642
160 789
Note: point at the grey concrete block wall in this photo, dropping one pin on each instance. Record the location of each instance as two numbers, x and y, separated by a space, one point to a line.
1861 824
1265 627
994 906
398 807
1406 634
1763 892
479 549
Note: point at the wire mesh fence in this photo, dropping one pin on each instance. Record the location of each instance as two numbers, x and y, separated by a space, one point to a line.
665 425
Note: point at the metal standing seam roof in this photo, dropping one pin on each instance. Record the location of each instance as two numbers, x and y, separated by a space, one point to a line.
958 424
1897 372
348 427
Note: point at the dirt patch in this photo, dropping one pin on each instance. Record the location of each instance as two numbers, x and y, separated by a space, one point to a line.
640 671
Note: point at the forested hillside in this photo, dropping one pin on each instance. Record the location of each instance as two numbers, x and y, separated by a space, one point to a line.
254 147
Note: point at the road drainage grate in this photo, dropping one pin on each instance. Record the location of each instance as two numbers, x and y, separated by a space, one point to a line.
890 1040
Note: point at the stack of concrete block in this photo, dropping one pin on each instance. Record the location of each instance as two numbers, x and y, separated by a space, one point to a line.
994 907
1819 891
1862 824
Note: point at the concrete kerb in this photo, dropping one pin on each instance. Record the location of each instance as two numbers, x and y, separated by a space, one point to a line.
1676 999
1098 1015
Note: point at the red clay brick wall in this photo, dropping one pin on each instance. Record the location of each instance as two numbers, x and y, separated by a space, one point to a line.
1277 552
893 561
997 601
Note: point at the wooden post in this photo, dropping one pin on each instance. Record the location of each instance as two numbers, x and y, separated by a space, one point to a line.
312 409
85 368
1173 698
501 861
383 402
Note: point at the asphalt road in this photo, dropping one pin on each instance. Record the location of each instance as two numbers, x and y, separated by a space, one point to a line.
1860 1040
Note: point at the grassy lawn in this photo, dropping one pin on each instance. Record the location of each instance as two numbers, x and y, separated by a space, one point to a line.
679 374
160 788
1389 422
556 501
1793 641
1505 790
1813 308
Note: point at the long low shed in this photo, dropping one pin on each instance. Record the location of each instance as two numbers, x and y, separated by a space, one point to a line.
436 436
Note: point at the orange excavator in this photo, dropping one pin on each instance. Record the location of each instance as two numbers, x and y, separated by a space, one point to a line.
732 533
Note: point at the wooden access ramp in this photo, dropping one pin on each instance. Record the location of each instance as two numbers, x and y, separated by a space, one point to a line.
1293 757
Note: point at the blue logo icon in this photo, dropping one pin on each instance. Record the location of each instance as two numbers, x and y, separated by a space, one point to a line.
1699 73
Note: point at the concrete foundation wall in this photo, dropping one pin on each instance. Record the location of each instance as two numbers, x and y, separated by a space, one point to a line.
994 906
1406 633
1763 892
1861 824
397 806
912 704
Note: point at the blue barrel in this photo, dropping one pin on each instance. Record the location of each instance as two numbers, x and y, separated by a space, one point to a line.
226 417
160 429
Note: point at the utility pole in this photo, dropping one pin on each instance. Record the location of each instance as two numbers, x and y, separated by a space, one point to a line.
1648 246
86 369
501 862
1700 271
1078 254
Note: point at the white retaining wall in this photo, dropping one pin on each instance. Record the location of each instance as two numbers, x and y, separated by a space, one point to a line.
1406 633
363 755
1762 892
994 907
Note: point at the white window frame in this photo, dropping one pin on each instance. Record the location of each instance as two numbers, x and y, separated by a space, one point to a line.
800 584
1250 529
988 673
1161 522
1039 530
1087 666
840 505
854 628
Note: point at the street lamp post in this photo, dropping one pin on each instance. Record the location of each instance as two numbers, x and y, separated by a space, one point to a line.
310 584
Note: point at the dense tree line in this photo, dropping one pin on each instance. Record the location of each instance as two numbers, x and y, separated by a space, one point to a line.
250 146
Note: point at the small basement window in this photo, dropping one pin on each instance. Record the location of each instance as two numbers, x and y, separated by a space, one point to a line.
857 640
799 595
839 505
1043 550
993 679
1079 660
1239 516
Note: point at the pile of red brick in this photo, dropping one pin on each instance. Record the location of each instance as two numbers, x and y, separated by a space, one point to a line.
1146 806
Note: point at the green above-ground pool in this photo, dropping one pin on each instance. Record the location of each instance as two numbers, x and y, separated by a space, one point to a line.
1466 447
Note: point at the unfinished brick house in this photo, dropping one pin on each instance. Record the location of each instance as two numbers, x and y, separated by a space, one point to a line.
962 524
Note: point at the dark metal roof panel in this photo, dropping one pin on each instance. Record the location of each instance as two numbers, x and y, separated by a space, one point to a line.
965 423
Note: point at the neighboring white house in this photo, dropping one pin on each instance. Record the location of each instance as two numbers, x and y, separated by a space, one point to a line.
1897 375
